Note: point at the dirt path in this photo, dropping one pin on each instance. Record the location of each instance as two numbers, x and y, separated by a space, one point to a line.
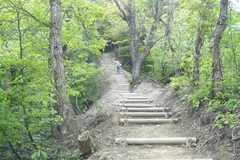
104 125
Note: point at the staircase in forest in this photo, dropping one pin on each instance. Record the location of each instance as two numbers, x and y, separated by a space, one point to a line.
139 109
139 113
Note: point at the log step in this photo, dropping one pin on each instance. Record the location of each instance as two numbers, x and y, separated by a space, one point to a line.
131 94
120 91
136 101
148 121
135 105
168 141
137 98
178 159
123 86
147 114
152 109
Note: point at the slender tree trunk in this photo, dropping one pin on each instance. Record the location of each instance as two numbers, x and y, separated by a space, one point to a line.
233 47
197 53
168 36
215 39
20 35
63 102
153 65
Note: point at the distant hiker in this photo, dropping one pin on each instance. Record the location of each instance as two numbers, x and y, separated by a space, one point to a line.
115 62
117 66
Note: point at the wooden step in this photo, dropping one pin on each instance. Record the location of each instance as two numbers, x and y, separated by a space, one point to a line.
136 101
168 141
136 98
147 114
148 121
131 94
137 105
152 109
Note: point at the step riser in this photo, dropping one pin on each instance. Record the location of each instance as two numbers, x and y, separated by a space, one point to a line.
137 105
120 91
137 98
160 114
166 141
145 109
131 94
123 87
148 121
136 101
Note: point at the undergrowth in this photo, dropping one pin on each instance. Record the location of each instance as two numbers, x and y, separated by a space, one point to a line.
226 104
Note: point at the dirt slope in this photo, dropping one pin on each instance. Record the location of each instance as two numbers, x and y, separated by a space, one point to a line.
102 121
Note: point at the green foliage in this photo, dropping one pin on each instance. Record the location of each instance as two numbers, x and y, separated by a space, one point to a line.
200 94
147 65
111 28
25 102
27 94
202 91
194 10
125 50
130 80
226 120
83 81
163 63
39 154
123 53
128 68
226 102
86 41
103 157
179 82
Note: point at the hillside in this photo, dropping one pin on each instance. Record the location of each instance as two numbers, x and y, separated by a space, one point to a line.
102 121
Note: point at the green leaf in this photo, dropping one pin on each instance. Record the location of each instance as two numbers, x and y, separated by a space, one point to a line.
34 155
38 153
232 126
220 126
44 154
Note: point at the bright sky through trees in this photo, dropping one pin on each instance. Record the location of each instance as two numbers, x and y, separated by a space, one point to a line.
236 4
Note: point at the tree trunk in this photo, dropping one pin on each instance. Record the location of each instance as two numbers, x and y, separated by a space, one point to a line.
128 15
197 53
215 39
136 69
63 102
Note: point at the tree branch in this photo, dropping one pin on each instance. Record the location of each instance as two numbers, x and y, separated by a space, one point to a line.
124 16
25 12
13 150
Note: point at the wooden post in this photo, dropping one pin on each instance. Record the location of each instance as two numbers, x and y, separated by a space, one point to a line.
84 144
